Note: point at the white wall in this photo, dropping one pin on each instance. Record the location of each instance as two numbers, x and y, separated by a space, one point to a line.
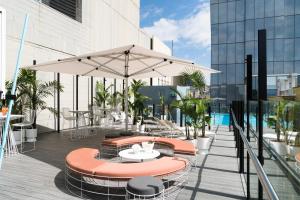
52 35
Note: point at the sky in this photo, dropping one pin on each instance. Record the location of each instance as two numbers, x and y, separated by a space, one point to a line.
186 22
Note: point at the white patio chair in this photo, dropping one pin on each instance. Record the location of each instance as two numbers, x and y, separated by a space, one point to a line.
67 116
27 122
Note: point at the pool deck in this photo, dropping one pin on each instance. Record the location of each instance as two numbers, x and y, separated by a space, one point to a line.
39 174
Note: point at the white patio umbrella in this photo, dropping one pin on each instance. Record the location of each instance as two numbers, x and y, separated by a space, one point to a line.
126 62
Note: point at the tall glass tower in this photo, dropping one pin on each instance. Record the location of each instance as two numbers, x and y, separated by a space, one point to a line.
234 25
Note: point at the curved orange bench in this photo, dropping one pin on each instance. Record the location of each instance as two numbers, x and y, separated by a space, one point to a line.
83 161
179 146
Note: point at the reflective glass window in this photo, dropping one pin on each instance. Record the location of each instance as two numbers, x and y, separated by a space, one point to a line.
269 8
289 49
214 13
279 27
231 74
231 11
259 8
249 48
222 53
240 56
278 67
250 9
215 77
297 67
297 49
288 67
297 7
249 30
269 26
259 24
255 68
230 53
214 54
270 68
214 1
278 49
297 26
231 32
222 75
279 7
239 75
289 7
289 26
240 7
222 12
240 29
222 33
270 50
214 33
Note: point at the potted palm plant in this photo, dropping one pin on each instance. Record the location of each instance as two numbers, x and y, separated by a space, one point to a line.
31 94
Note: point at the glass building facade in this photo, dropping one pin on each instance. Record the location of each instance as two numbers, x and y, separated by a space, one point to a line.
234 25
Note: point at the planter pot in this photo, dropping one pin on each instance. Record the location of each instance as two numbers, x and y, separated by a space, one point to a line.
142 128
203 143
292 150
17 136
279 147
31 135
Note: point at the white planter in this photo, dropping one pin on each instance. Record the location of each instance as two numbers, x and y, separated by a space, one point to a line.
163 117
142 128
31 135
203 143
17 136
292 150
279 147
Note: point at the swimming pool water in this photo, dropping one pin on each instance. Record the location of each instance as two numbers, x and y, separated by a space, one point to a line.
223 119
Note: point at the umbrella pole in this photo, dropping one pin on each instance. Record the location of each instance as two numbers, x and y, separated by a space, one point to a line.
126 91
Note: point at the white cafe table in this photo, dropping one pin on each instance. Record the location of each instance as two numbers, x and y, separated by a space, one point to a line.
11 147
139 156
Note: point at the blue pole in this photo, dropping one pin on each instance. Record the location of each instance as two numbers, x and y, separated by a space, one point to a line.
13 90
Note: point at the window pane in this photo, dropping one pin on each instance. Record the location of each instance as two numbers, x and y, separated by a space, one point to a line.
214 34
279 7
222 75
240 56
230 53
249 30
255 68
278 67
231 11
297 7
222 33
249 48
215 77
259 24
269 8
222 53
297 67
240 31
214 13
278 50
289 49
270 68
269 25
297 49
222 12
259 9
289 7
214 54
239 79
289 26
279 27
231 74
231 33
288 67
240 7
250 9
297 26
270 50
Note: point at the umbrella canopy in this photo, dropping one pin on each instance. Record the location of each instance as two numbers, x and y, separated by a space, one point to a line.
130 61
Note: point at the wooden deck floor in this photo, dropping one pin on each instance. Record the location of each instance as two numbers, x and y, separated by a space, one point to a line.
39 174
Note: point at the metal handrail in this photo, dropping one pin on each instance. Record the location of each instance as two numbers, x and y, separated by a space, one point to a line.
266 184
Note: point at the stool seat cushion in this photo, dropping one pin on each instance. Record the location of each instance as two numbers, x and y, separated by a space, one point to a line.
145 185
